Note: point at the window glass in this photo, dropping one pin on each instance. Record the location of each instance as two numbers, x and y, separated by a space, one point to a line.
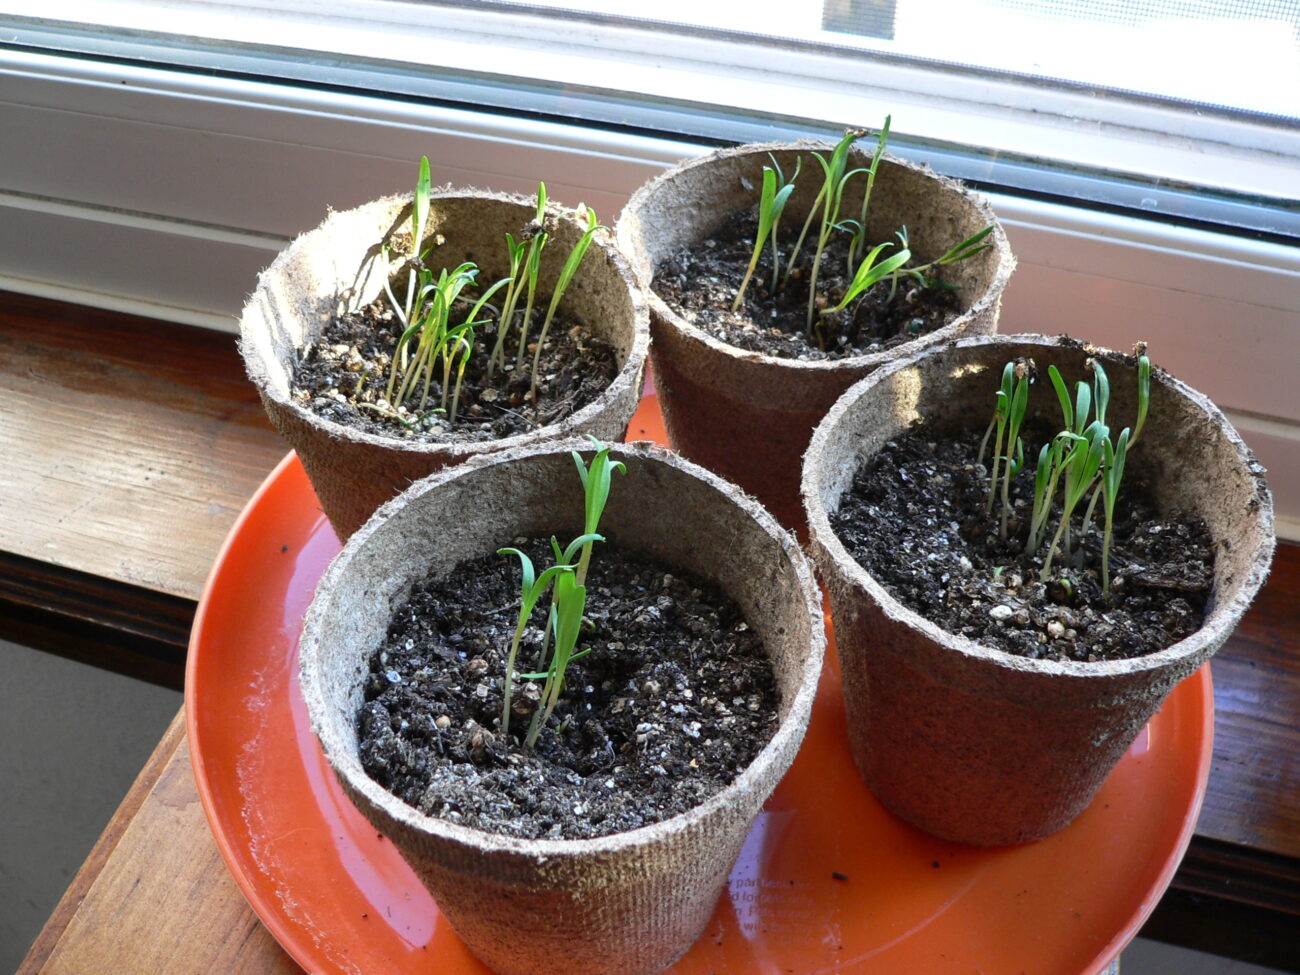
1236 54
1187 110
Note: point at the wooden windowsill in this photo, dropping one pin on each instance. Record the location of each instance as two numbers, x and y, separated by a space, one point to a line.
130 448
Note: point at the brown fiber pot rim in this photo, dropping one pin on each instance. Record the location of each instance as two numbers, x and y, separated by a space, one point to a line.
984 305
779 751
628 375
1219 622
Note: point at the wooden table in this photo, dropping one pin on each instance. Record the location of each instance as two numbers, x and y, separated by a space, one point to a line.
109 566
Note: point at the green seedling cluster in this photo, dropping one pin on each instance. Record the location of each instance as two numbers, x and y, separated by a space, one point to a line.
567 580
866 268
525 258
771 204
1008 415
1080 460
436 339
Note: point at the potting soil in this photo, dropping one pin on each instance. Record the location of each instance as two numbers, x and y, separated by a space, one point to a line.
674 700
917 518
344 375
699 283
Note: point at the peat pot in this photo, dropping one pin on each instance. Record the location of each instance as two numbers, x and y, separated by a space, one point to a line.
746 415
626 903
335 269
975 744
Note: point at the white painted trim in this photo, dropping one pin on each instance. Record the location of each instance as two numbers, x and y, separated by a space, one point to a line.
1287 526
748 73
1260 272
214 321
140 221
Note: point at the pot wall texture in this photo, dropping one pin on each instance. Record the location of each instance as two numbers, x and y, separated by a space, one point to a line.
977 745
628 903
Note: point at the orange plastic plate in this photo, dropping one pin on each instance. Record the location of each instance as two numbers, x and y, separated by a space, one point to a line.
828 881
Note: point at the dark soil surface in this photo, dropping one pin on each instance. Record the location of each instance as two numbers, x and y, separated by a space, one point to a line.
700 283
676 698
344 375
916 519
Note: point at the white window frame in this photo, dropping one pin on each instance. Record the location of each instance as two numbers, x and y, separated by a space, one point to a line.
654 70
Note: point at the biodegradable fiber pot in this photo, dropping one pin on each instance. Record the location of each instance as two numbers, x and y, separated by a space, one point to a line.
978 745
748 416
627 903
335 268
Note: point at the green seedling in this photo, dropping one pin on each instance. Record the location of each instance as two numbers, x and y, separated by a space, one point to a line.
859 238
1100 390
419 221
1008 415
771 203
567 579
596 481
836 176
1001 401
575 549
1110 482
1143 392
531 267
783 195
1046 476
1082 461
515 255
869 273
532 588
923 276
525 255
460 346
1075 413
570 268
1101 401
568 603
1014 463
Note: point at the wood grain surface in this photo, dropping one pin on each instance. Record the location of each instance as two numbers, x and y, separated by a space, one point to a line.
1257 722
129 445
